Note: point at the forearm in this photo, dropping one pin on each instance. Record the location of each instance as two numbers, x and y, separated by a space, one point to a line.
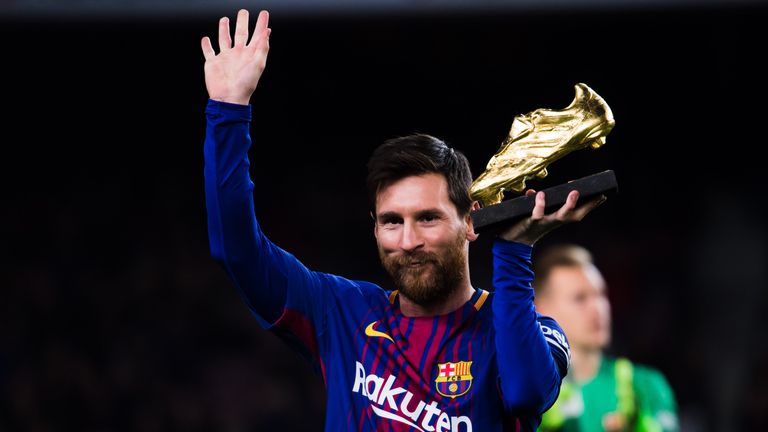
528 374
236 240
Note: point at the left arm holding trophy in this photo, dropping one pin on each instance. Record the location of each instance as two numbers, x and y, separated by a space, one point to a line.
535 140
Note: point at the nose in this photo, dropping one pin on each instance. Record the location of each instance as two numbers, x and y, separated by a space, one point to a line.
410 238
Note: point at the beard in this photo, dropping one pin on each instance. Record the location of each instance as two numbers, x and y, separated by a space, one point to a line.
427 278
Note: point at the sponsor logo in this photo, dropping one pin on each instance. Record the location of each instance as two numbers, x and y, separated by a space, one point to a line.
453 379
398 404
370 331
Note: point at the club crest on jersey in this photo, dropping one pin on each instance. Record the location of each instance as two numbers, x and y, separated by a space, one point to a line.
453 379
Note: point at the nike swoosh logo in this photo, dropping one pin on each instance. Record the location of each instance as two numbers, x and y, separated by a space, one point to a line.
369 331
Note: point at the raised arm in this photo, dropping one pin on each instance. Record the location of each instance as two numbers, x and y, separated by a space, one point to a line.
284 295
532 350
235 237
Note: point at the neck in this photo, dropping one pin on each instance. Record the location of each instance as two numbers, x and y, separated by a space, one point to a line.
585 362
454 302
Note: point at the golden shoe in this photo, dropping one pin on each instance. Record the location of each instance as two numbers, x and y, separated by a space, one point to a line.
539 138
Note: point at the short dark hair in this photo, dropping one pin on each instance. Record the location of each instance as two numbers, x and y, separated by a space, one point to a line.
561 255
418 154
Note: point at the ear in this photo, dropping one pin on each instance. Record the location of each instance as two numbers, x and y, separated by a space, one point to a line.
471 234
375 231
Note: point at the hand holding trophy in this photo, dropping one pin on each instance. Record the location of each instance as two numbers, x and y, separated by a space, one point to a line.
535 140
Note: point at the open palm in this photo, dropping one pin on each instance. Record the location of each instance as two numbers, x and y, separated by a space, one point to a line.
232 75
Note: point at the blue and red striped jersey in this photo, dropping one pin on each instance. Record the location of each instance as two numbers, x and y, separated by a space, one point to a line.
492 365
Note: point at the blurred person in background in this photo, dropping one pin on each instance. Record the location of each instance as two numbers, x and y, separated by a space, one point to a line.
600 392
436 353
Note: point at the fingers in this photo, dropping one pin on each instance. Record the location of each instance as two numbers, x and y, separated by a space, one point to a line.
260 33
584 209
225 42
262 23
538 206
569 212
260 43
208 51
570 204
241 28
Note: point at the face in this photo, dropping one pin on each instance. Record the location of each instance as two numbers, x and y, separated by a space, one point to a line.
422 241
575 297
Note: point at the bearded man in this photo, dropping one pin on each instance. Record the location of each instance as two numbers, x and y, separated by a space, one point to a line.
433 354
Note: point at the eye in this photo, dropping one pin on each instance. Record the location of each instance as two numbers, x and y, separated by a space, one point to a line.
390 221
429 218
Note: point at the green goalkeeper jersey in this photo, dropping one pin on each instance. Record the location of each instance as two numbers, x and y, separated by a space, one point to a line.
622 396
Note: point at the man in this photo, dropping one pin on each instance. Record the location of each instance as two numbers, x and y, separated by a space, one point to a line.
601 393
436 354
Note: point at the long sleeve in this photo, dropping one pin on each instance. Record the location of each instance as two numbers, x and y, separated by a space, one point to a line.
532 350
261 271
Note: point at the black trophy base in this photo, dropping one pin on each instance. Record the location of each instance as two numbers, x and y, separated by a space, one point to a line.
498 216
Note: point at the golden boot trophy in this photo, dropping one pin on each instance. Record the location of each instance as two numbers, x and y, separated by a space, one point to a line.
535 140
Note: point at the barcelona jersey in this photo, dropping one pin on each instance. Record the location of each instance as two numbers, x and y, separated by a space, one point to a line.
494 364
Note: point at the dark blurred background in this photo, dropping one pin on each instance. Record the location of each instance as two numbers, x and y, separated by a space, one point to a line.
114 317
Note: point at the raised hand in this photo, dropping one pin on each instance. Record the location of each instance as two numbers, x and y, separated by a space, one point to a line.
531 229
232 75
